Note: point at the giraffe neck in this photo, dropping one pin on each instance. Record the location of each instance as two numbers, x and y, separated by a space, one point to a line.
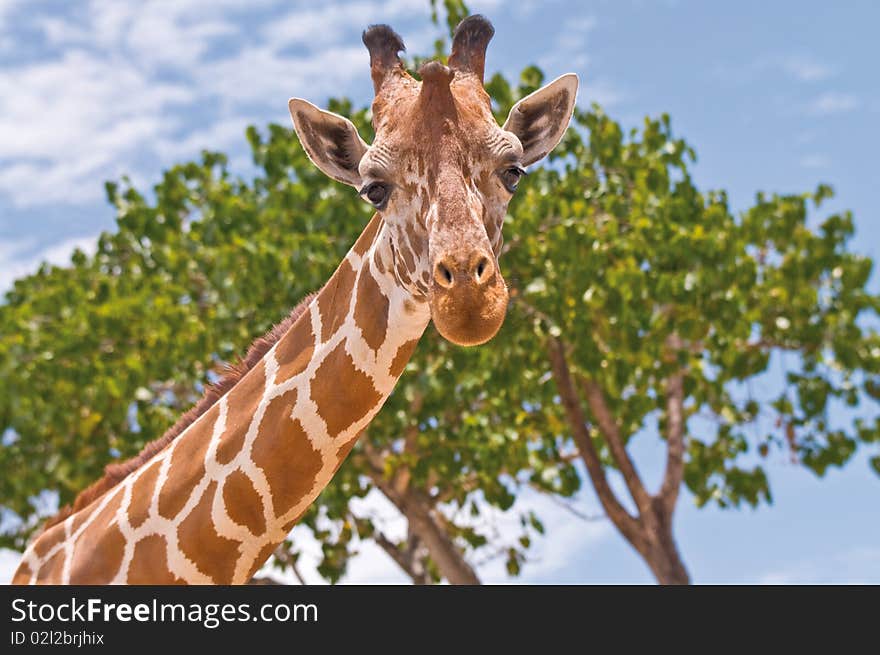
213 505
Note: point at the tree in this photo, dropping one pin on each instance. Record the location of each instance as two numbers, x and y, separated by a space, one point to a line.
641 308
665 306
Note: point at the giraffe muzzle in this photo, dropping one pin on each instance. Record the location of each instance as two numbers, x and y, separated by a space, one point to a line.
476 270
468 297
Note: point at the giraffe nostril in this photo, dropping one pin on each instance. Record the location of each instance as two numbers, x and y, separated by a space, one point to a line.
443 275
483 270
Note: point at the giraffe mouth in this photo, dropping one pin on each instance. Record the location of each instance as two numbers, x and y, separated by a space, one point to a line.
469 315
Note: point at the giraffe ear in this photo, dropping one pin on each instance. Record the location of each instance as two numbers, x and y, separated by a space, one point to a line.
540 119
331 141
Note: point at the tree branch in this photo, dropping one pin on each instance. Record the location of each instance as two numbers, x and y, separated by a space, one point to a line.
417 510
628 525
674 474
297 573
403 558
675 428
403 474
264 580
610 430
589 518
284 557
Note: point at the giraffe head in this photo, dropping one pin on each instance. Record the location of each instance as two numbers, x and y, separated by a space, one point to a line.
440 170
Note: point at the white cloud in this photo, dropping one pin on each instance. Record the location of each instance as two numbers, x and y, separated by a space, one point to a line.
320 25
601 91
798 67
569 50
804 137
833 102
372 564
859 565
9 560
119 82
581 25
815 161
804 68
221 136
19 260
565 537
6 7
71 122
261 74
523 8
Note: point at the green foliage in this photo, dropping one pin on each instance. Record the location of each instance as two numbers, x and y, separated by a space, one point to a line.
610 247
620 254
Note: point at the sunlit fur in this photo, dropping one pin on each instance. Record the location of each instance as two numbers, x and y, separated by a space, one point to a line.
439 146
211 500
440 154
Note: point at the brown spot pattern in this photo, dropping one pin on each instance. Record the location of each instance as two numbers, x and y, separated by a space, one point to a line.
80 517
149 564
403 273
50 572
243 503
118 471
55 535
365 240
416 239
264 554
379 262
408 257
334 299
402 357
295 349
371 310
97 554
215 556
23 574
141 495
343 451
244 398
283 450
343 394
187 465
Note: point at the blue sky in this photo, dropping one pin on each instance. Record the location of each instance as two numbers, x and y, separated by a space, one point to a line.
774 96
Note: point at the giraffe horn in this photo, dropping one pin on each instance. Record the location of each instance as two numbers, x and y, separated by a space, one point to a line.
469 44
383 44
433 72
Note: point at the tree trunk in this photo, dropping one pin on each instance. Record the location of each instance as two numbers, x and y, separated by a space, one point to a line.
446 556
444 552
409 557
449 560
666 565
419 512
649 532
661 554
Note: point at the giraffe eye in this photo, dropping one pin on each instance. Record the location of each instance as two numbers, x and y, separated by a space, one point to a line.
510 177
376 193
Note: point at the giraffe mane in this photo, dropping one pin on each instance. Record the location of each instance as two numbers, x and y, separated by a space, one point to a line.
116 472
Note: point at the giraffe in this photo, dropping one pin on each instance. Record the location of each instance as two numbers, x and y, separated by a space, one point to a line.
209 501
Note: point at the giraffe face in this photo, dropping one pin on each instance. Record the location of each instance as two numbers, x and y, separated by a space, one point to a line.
441 171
